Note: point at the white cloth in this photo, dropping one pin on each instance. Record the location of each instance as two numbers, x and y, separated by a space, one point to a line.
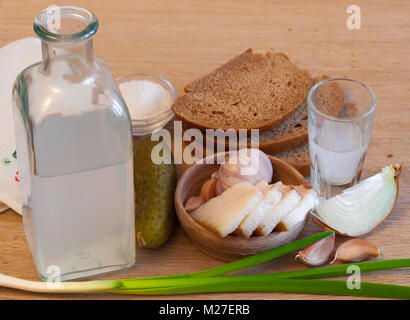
14 57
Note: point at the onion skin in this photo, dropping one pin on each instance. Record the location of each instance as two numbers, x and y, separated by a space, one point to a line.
397 169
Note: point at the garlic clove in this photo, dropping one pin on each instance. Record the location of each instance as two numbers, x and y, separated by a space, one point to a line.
218 189
227 177
356 250
317 253
194 203
208 189
244 165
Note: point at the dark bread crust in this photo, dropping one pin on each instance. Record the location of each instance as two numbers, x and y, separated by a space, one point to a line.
251 91
303 168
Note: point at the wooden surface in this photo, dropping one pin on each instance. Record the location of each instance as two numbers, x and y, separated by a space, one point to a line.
182 40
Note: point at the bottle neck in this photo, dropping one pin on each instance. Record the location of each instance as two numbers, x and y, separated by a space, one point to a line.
79 49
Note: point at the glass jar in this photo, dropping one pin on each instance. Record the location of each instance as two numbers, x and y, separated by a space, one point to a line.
74 150
340 118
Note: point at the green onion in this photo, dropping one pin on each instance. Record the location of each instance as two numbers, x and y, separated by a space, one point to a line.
252 260
59 287
95 286
341 270
210 280
265 283
314 273
246 283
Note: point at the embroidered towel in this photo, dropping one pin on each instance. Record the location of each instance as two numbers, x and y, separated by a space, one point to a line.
14 57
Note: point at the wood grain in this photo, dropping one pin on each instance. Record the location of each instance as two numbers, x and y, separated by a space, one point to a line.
182 40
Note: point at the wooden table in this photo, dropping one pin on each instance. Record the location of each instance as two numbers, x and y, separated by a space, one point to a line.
182 40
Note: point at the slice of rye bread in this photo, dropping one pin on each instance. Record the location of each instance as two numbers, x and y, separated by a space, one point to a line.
251 91
294 131
298 158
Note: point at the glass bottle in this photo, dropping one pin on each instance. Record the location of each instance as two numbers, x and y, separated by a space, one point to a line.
74 150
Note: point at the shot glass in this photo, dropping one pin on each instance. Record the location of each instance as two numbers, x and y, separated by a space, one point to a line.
341 113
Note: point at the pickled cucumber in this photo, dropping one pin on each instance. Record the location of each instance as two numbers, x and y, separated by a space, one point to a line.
154 196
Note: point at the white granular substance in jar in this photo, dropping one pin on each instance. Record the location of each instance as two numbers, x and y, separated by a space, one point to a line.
145 99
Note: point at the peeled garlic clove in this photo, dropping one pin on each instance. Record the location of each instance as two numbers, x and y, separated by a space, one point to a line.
208 189
361 208
356 250
194 203
317 253
244 165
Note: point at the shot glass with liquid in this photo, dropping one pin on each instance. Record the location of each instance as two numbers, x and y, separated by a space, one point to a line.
341 113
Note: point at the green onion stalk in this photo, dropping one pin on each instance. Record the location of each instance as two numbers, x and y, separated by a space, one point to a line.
212 281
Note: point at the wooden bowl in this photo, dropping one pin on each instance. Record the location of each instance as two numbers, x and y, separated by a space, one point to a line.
230 247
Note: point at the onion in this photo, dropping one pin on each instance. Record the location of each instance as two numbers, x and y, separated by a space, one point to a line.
361 208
